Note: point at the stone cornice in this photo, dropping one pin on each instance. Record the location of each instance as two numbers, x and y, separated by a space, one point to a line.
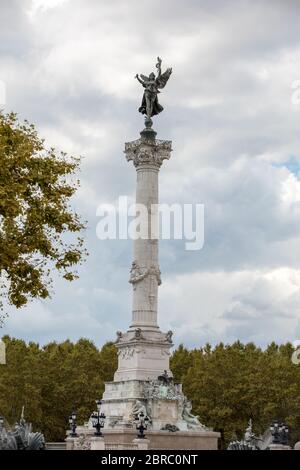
144 342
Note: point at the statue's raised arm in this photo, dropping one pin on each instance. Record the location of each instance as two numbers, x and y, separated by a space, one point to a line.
150 105
158 66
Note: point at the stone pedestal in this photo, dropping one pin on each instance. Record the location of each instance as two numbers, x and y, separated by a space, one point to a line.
70 443
158 440
97 443
142 444
143 354
279 447
164 404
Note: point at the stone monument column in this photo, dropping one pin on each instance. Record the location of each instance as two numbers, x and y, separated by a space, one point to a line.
144 350
147 155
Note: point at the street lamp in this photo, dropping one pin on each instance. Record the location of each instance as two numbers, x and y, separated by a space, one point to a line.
274 429
280 433
141 424
98 419
73 425
285 434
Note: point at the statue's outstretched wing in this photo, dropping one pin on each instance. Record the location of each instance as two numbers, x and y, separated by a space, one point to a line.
163 78
144 77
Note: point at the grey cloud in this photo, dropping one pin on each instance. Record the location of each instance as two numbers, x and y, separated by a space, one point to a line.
70 70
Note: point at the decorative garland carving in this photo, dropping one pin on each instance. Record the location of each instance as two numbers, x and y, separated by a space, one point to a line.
129 351
155 271
82 443
137 274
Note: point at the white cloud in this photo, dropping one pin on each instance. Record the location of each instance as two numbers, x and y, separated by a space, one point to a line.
257 306
38 6
290 190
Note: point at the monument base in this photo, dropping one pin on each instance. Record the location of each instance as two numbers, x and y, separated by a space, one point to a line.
185 440
161 400
170 423
159 440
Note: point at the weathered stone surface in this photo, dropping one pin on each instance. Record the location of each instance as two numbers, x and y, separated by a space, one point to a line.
163 403
97 443
185 440
143 358
147 156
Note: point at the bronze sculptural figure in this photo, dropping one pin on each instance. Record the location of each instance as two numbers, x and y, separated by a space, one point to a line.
152 84
20 437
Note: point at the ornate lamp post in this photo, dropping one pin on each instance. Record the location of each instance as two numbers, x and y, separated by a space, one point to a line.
73 425
141 424
98 419
280 433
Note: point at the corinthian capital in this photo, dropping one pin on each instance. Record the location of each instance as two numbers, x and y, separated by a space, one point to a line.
147 152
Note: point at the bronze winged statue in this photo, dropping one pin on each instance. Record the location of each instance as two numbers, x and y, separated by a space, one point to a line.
152 84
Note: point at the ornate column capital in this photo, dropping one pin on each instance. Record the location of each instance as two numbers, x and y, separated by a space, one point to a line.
148 152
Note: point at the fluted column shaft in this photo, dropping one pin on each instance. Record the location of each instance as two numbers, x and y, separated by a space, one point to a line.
147 156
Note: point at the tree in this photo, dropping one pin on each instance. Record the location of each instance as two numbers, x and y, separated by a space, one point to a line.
36 220
20 382
180 362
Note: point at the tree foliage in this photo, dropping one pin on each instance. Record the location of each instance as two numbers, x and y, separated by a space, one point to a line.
227 384
52 381
36 185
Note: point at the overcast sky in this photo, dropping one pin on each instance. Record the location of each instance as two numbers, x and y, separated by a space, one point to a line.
232 112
